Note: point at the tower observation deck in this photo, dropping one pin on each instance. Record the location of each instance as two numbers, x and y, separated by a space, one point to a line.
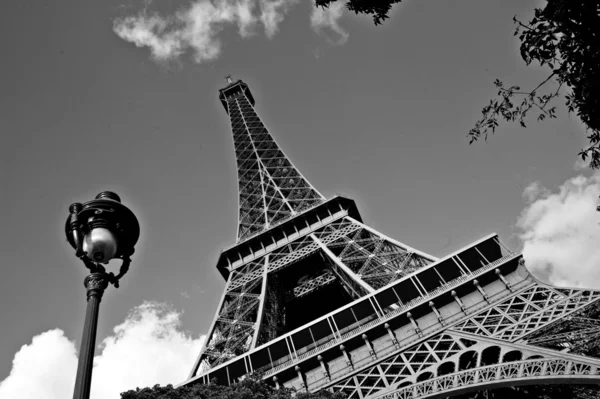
315 299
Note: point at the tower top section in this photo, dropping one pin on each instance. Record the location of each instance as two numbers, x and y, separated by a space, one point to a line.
234 90
271 189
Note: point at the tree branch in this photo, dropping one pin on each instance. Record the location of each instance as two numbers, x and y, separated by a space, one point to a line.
544 82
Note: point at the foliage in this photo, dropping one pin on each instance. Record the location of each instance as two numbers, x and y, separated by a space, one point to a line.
252 387
379 9
563 37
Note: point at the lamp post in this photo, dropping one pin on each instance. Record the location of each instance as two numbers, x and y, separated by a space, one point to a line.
98 230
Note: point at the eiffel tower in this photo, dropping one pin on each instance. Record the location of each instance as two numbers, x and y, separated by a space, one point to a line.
315 299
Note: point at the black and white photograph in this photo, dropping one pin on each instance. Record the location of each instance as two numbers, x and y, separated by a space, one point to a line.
286 199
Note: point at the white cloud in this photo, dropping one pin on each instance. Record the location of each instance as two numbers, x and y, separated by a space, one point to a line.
534 191
272 13
581 165
152 32
148 348
197 27
561 232
43 369
326 20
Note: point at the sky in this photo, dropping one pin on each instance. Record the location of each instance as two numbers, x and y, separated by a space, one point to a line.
122 95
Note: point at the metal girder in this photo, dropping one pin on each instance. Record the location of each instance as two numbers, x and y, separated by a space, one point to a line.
374 257
527 311
453 363
424 371
383 262
235 325
488 334
502 312
567 339
472 329
568 334
521 373
271 190
313 284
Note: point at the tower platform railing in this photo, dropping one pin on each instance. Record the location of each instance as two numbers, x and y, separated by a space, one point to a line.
490 253
390 346
304 223
373 320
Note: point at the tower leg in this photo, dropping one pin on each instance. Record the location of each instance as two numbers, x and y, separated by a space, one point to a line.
261 306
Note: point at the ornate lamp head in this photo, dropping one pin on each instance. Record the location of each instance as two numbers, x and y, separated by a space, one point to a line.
101 230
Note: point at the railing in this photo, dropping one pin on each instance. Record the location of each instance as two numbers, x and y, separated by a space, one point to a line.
524 369
369 322
352 331
302 232
406 342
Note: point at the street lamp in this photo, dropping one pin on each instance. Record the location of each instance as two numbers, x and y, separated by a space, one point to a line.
99 230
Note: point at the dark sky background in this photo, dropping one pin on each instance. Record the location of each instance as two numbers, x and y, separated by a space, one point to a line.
381 119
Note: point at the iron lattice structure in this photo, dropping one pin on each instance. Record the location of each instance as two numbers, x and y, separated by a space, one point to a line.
271 190
315 299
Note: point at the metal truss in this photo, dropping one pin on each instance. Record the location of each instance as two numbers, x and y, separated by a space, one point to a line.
461 360
474 341
271 190
575 331
401 366
374 259
234 325
358 257
453 363
572 333
527 311
313 284
496 365
414 326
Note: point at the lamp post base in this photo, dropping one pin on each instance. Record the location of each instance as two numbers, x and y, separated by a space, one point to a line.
95 284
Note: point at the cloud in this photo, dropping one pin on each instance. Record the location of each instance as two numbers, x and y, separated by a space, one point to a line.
326 20
43 369
561 232
272 13
151 32
197 27
581 165
535 190
148 348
